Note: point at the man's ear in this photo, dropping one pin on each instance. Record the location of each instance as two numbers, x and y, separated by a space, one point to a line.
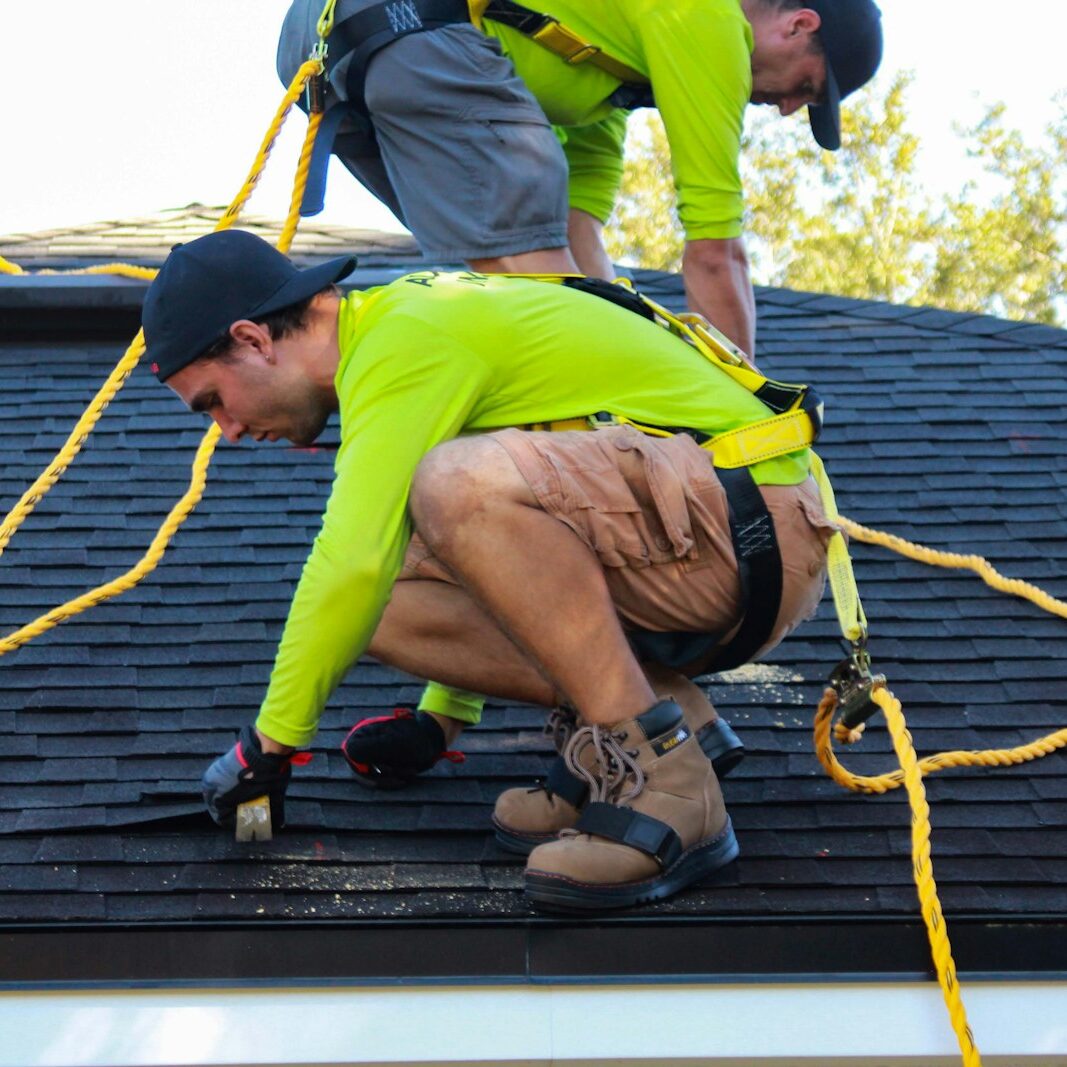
804 20
249 334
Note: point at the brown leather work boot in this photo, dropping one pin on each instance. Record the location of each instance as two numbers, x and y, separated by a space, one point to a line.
526 818
655 821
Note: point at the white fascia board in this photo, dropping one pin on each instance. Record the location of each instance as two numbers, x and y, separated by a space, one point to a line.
811 1025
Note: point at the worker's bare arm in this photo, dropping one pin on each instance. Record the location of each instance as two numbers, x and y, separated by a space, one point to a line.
717 285
585 233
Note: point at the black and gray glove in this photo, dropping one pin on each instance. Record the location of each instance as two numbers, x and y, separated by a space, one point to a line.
244 773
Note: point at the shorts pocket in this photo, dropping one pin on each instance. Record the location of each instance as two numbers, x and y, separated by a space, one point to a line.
521 172
608 501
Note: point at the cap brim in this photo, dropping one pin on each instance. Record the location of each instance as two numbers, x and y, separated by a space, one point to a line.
306 283
825 118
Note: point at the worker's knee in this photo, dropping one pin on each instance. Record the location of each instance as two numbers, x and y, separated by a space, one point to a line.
460 480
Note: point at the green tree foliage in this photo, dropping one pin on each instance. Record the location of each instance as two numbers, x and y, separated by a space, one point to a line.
851 222
1007 254
859 223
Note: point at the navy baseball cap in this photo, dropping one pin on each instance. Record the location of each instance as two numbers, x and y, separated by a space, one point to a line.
208 284
851 36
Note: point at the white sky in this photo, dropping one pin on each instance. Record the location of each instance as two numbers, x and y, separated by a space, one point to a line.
117 108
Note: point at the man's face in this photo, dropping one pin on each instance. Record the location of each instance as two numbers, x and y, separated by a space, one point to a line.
788 67
254 394
792 85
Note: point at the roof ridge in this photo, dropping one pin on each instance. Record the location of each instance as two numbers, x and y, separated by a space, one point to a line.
148 238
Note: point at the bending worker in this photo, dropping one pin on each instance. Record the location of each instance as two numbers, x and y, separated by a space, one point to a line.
447 541
447 120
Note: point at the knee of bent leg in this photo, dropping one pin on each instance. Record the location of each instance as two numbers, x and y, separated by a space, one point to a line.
444 487
455 481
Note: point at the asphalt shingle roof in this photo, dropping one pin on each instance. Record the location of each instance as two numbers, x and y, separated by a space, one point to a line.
945 429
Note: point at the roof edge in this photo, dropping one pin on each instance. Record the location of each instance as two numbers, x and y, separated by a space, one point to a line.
656 949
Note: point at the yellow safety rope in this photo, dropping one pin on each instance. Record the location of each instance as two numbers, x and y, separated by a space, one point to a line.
126 270
72 447
122 371
936 558
178 514
911 775
913 769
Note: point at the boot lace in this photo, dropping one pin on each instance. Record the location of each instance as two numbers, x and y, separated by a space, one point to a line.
560 725
615 765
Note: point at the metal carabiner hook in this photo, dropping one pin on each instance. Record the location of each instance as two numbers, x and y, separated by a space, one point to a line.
853 682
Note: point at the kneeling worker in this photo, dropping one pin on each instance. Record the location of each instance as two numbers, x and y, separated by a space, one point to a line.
525 565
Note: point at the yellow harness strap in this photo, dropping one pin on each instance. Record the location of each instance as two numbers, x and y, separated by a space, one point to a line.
568 45
850 614
766 439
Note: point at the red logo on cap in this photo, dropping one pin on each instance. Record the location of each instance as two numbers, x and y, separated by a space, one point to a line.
155 368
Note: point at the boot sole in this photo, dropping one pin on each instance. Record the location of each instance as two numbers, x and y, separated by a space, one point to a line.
717 741
555 892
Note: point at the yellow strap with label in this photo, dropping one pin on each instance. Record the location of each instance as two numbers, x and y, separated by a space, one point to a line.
850 614
767 439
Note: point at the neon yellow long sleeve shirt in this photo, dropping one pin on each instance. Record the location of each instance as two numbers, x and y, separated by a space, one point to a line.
432 356
697 57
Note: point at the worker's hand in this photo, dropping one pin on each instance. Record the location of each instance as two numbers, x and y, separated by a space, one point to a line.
244 773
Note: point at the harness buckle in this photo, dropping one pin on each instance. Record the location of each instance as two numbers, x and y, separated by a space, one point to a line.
853 682
582 54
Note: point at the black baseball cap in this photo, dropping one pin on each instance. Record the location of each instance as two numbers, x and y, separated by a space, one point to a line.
851 36
208 284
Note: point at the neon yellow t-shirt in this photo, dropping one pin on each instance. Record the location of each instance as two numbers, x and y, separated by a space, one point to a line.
697 56
427 358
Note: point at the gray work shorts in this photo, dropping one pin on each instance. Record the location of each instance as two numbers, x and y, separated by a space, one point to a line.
456 145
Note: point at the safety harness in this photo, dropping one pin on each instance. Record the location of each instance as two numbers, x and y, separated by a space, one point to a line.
793 425
358 38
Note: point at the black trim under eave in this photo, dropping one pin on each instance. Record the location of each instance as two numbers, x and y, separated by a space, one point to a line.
538 951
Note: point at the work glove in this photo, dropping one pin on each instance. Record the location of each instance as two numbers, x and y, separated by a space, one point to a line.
247 772
389 751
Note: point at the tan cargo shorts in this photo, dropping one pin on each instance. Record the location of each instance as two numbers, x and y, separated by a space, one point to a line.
656 516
